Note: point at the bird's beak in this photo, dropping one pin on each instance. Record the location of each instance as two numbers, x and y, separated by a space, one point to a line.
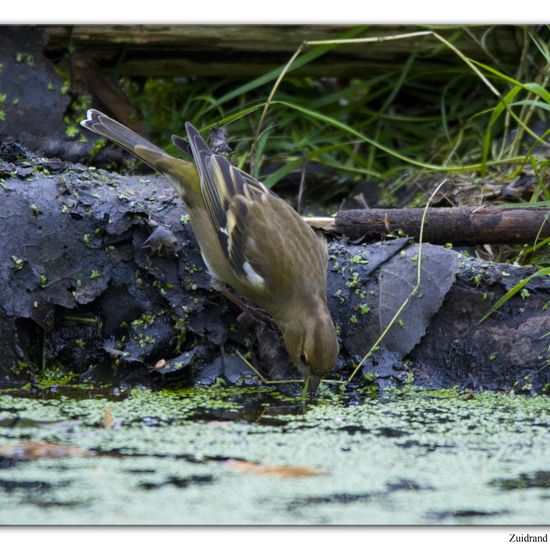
312 384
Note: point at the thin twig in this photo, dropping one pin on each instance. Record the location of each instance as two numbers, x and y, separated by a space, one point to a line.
263 378
285 70
266 381
302 184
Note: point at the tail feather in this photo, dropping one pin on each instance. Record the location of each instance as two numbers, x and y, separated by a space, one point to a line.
180 173
105 126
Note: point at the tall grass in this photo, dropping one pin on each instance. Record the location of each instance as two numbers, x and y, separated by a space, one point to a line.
482 119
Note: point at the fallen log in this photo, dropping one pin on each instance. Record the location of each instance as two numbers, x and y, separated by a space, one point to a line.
212 50
80 294
465 226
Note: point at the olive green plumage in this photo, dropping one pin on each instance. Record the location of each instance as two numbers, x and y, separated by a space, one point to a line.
250 240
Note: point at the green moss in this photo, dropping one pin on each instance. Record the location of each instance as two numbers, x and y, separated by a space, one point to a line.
358 259
17 262
71 131
26 58
40 169
355 281
20 367
340 295
53 375
97 147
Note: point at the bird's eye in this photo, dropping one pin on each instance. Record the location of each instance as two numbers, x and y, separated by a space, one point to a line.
303 358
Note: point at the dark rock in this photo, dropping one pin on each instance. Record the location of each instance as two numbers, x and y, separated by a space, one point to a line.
208 374
235 369
35 104
78 289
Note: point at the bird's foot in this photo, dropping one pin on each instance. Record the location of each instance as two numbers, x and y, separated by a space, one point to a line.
247 309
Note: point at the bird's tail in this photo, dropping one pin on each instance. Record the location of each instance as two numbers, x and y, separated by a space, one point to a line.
180 173
105 126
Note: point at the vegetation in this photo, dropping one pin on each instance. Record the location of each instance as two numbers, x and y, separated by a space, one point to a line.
483 122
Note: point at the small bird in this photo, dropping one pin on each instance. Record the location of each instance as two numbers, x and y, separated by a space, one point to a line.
250 239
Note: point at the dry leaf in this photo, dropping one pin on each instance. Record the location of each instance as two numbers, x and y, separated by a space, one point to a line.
35 450
254 468
398 277
107 419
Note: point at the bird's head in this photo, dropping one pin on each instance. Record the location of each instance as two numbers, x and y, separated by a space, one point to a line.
310 338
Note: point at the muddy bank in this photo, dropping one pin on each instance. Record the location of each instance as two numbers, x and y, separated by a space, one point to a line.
101 280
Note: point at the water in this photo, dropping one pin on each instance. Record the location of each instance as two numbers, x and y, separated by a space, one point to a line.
410 458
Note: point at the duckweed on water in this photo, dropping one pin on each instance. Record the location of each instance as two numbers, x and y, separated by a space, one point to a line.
410 457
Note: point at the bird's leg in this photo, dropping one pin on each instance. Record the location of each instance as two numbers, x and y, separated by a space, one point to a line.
271 350
246 308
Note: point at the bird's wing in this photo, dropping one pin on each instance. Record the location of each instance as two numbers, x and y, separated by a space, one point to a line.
254 226
228 193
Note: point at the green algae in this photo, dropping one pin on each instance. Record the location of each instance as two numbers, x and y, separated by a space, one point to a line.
409 457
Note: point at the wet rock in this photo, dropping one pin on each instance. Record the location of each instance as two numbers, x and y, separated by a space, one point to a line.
78 289
36 101
208 374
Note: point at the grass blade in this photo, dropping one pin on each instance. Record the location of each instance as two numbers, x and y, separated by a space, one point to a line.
513 291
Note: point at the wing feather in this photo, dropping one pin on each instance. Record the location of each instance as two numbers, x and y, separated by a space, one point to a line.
237 205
